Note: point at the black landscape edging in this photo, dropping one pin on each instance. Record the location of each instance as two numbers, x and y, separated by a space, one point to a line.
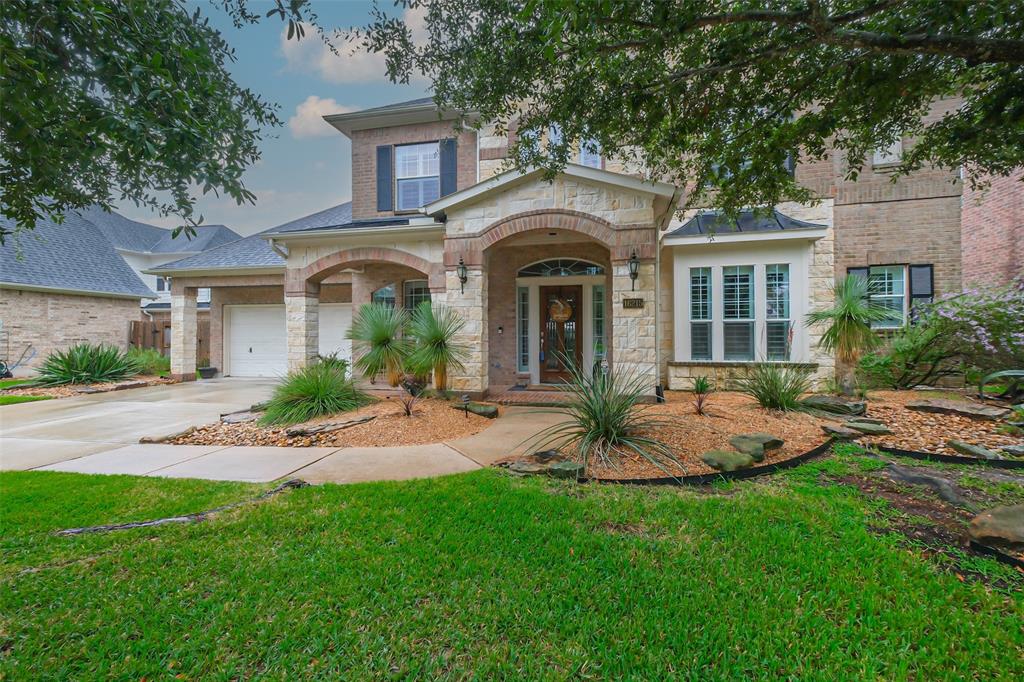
996 554
704 479
954 459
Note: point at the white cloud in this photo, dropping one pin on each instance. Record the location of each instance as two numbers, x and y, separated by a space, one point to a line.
352 64
308 119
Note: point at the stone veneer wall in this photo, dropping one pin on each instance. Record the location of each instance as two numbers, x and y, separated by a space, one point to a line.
53 321
634 345
470 303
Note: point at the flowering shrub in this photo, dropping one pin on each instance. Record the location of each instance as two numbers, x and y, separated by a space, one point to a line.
986 327
980 331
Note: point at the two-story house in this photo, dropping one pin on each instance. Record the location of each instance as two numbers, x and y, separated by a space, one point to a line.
597 263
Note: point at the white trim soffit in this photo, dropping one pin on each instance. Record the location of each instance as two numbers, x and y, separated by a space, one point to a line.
739 237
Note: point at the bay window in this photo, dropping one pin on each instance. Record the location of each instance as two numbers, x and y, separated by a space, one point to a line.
778 325
417 175
700 313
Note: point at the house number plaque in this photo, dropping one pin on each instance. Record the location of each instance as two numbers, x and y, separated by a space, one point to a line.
632 303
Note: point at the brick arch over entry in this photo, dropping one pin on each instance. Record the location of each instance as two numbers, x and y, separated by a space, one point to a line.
300 280
548 219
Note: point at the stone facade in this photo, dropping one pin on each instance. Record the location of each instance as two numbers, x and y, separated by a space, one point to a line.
54 321
723 375
992 231
469 301
634 343
183 334
302 319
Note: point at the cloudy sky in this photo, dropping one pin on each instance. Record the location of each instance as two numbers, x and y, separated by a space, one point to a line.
305 165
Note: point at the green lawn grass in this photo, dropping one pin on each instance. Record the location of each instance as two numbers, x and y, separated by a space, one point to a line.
11 383
15 399
484 576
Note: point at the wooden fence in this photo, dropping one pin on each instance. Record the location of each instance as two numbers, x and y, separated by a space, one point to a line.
157 334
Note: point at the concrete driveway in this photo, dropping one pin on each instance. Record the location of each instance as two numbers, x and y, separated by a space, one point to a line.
40 433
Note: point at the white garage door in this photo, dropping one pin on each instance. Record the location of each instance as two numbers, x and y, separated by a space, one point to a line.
256 344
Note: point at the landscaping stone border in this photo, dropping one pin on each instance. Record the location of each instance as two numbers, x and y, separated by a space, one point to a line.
996 554
704 479
953 459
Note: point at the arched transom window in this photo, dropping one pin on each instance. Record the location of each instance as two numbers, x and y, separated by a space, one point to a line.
561 267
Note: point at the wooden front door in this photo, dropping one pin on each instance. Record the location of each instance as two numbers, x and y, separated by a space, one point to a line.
561 331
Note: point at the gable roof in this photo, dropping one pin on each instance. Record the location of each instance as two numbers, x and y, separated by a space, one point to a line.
254 252
73 256
131 235
715 223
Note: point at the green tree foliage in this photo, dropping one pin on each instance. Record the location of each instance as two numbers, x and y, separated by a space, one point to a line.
106 100
716 94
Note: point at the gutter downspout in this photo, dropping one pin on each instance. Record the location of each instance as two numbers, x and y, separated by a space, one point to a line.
661 226
280 251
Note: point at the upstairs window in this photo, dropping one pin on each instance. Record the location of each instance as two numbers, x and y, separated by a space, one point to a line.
417 175
590 153
162 284
889 155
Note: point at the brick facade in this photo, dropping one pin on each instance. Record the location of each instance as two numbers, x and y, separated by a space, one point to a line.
53 321
992 231
364 159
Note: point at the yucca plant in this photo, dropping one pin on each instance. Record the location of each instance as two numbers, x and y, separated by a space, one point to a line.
701 390
434 328
848 333
314 391
379 342
86 363
775 386
606 420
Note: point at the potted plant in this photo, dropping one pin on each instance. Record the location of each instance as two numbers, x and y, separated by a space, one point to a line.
207 372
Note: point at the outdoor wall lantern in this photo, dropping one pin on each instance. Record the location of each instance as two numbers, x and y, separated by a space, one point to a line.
460 270
634 269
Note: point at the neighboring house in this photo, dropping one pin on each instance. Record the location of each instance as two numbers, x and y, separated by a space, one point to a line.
83 280
596 262
61 284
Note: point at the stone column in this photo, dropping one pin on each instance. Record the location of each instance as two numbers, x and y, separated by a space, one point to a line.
184 329
634 343
821 275
471 306
302 314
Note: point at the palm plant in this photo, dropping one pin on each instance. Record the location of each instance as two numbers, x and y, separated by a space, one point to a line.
849 334
378 337
434 330
607 419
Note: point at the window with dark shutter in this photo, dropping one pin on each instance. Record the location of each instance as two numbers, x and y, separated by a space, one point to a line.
385 194
449 166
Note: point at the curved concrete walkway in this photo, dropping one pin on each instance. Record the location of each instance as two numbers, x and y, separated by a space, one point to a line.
58 439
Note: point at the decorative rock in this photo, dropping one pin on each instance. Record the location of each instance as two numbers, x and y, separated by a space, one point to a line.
868 429
972 450
527 468
573 470
961 407
1001 524
836 405
942 486
841 432
727 460
489 411
866 420
1014 450
755 444
327 427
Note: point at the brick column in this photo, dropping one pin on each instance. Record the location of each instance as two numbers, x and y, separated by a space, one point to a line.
184 328
302 313
634 344
471 306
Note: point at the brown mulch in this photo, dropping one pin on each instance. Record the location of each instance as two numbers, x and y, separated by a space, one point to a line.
728 414
928 432
71 390
433 421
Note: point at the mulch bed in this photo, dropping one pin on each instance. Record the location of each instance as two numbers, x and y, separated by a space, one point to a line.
729 414
72 390
433 421
926 431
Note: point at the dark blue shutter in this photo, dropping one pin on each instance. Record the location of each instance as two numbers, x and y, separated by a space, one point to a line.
385 183
448 149
922 288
